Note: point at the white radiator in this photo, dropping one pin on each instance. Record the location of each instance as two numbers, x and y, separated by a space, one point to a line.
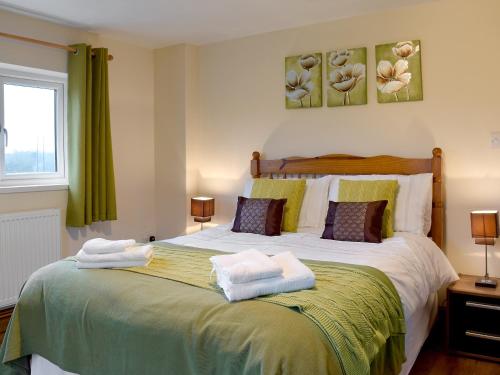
28 241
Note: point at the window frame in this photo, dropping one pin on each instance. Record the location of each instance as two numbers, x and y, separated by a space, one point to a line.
32 77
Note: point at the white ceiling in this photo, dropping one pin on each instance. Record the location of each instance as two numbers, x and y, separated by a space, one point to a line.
158 23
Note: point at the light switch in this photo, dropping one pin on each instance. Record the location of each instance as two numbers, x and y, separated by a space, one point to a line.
495 140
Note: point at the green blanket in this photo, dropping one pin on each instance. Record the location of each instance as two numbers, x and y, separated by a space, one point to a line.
128 322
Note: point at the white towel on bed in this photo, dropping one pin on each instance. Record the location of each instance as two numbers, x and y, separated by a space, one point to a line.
296 276
131 257
132 253
245 266
103 246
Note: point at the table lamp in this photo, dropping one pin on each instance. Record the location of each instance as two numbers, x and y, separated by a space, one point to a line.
202 208
484 230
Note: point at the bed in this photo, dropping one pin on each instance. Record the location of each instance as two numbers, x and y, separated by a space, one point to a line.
414 264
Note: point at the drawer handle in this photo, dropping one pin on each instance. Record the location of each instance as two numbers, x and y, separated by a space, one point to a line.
486 306
482 335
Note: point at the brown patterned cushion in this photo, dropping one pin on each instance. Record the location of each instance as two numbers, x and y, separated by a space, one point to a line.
259 216
354 221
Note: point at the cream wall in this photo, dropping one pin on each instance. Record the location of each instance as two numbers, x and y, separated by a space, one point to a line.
176 121
194 136
132 119
171 96
241 108
186 119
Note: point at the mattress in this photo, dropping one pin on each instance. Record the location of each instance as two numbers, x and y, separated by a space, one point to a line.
415 265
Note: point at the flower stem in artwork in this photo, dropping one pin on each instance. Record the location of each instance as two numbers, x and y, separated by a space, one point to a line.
310 101
396 97
407 93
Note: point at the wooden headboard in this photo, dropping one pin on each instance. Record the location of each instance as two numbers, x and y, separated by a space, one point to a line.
349 164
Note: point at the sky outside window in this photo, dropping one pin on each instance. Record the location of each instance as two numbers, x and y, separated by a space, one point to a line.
30 122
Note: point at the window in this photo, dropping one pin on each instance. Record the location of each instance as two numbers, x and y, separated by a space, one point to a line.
32 127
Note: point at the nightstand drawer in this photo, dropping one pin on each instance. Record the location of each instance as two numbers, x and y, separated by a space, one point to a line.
482 315
480 343
474 324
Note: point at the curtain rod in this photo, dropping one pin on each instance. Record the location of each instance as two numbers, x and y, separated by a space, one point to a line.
43 43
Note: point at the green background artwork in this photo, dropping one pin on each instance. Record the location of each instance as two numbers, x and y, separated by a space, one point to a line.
303 75
399 72
346 77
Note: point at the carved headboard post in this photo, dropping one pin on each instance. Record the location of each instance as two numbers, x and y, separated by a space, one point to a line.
255 165
437 231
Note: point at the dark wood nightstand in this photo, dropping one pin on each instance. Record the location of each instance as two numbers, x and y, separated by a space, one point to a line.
4 320
473 319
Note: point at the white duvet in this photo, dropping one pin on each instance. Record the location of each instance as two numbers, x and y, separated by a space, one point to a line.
415 265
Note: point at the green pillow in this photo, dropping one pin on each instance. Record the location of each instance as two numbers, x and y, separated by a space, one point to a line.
292 190
369 191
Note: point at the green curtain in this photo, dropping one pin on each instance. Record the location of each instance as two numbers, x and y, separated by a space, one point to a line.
91 194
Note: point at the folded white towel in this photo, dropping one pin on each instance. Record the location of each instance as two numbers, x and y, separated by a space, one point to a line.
124 264
134 253
296 276
245 266
103 246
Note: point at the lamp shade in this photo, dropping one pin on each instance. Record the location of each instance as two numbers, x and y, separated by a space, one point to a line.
202 207
484 224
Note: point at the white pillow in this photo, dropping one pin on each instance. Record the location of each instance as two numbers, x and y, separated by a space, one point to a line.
413 212
314 205
247 190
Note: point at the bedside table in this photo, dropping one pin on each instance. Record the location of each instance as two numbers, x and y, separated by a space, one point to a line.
5 314
473 319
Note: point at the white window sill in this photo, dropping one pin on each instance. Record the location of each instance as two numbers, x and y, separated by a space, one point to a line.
32 188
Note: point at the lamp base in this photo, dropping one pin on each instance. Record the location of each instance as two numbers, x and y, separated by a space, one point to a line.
202 219
486 283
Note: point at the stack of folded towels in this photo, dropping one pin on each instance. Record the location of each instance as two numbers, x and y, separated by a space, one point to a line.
102 253
250 274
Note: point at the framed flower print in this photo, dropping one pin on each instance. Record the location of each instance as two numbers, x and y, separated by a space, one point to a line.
399 72
303 75
346 77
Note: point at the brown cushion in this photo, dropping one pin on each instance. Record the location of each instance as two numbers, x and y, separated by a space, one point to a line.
259 216
354 221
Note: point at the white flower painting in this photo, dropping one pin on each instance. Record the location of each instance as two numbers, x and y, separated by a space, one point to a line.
399 72
346 74
303 87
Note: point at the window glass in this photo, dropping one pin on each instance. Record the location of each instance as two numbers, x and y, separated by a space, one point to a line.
30 121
